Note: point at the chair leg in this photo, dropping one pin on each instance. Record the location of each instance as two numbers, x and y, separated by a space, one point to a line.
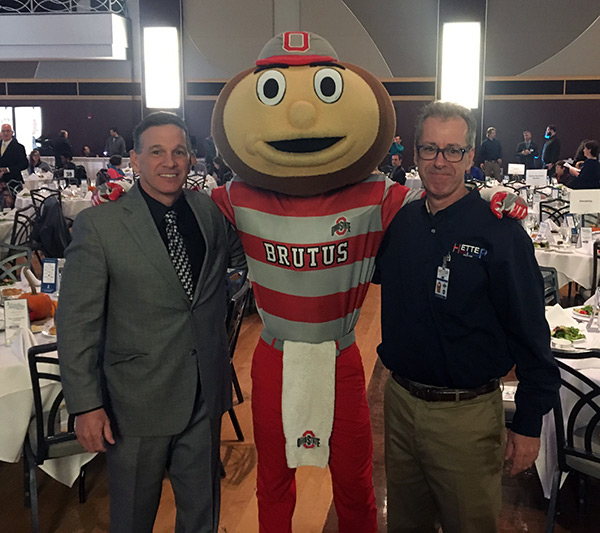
236 425
236 386
551 516
82 494
35 517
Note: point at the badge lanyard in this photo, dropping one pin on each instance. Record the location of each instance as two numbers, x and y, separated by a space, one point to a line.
443 278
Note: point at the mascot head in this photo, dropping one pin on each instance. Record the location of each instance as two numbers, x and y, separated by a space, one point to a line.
301 122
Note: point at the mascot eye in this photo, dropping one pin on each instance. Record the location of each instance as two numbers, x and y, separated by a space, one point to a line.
270 87
328 85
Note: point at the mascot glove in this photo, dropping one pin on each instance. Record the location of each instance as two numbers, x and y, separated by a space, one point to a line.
507 203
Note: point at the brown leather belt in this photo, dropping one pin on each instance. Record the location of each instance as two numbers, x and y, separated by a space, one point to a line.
441 394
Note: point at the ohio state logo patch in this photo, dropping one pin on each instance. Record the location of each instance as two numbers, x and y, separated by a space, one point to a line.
308 440
296 41
340 227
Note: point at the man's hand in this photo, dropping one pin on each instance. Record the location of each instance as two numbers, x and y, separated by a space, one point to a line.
92 429
507 203
521 450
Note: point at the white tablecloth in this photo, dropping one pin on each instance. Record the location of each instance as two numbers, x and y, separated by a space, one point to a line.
7 220
16 409
414 183
572 265
71 206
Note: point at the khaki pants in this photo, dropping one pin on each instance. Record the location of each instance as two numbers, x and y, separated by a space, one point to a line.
493 170
443 462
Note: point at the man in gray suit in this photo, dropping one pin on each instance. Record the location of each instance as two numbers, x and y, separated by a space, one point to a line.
141 335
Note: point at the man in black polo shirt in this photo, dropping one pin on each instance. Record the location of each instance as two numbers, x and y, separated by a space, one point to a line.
462 302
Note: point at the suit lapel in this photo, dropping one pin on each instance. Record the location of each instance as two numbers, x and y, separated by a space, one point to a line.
205 223
140 225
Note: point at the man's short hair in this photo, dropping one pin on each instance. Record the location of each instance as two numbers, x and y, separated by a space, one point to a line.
399 156
526 131
115 160
552 127
160 118
593 147
115 130
446 111
490 130
63 133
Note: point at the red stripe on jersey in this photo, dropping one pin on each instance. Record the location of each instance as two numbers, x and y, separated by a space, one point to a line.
313 310
221 198
393 201
354 196
297 257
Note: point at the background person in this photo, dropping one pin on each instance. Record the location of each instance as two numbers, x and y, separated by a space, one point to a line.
61 146
461 303
551 149
589 175
527 151
13 158
490 155
398 174
152 398
35 161
115 144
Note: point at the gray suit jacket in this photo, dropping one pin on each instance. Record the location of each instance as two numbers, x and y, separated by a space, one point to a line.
128 336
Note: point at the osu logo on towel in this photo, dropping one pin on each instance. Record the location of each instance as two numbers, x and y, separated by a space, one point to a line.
308 440
340 227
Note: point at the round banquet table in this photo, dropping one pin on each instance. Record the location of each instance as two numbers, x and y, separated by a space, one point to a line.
571 264
71 206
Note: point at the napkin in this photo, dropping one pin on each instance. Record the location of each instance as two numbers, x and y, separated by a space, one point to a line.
21 343
24 281
557 316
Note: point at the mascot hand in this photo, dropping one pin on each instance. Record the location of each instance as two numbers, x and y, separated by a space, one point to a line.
507 203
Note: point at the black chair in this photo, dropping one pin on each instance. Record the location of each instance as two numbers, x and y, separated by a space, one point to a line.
12 260
577 418
41 195
554 210
45 438
196 182
14 187
22 226
551 292
239 289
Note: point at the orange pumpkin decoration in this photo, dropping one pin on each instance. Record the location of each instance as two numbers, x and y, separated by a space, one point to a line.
40 305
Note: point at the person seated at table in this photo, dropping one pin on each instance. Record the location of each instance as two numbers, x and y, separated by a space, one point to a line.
579 158
79 173
35 161
589 175
398 173
563 175
86 152
114 170
222 173
474 173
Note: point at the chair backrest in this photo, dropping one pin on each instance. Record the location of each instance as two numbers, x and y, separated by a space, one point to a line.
240 292
41 195
50 232
551 291
44 371
595 269
14 258
22 226
577 417
14 187
554 209
195 182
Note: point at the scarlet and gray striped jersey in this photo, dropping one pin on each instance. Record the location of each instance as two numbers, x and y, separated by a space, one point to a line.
311 259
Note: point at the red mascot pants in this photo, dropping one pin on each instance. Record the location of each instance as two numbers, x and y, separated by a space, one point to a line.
351 446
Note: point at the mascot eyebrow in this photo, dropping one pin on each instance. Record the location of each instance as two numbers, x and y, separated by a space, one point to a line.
282 65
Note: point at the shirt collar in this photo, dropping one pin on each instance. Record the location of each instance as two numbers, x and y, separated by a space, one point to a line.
157 209
467 200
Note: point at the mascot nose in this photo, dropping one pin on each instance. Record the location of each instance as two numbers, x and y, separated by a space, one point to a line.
302 114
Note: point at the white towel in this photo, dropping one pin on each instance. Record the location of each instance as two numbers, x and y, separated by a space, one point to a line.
307 401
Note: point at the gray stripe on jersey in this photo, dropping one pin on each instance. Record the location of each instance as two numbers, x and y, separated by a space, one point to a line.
308 332
307 230
312 282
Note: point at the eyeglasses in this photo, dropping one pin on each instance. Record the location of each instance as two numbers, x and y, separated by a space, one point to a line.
451 154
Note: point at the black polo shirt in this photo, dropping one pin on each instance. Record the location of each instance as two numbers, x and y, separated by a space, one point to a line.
187 225
490 150
493 313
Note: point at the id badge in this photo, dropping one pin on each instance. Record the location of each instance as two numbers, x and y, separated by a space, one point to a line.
441 282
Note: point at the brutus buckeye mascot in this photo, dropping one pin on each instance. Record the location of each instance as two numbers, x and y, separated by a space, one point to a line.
303 133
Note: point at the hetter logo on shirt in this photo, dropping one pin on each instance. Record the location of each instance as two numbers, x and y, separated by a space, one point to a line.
469 250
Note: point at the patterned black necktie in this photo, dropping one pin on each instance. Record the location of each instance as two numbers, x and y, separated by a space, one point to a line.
178 253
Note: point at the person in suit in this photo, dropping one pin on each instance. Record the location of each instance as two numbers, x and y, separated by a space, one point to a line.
141 335
13 157
61 146
550 150
527 151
